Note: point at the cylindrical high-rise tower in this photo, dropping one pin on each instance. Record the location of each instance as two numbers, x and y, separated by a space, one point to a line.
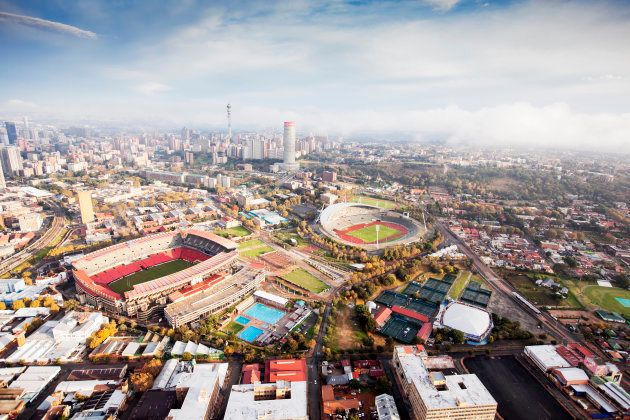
289 146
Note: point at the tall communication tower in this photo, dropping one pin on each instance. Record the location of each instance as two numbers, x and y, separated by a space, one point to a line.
229 116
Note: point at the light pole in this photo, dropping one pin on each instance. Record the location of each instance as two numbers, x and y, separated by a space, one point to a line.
378 227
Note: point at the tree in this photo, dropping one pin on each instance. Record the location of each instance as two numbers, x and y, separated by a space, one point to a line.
70 305
3 306
186 357
18 304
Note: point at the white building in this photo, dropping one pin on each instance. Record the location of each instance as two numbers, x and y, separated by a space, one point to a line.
202 382
288 140
386 407
546 357
433 395
278 401
62 340
30 222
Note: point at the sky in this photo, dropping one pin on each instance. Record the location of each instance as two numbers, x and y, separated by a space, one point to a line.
533 73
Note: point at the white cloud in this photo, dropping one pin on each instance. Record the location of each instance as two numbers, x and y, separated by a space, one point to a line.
150 88
441 5
46 24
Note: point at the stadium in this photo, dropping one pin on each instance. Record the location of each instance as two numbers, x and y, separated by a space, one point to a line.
138 278
368 227
474 322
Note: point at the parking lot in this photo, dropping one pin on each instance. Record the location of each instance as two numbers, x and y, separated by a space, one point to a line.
519 395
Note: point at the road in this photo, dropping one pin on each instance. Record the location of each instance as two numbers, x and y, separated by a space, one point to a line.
506 289
29 251
313 363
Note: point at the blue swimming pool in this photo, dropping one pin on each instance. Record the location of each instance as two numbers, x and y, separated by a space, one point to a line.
250 334
242 320
624 302
264 313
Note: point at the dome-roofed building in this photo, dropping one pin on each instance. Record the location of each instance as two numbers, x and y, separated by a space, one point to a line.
474 322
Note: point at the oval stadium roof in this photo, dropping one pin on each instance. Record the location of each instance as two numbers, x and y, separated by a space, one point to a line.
467 319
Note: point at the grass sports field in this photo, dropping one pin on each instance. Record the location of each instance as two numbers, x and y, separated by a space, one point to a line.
604 297
237 231
126 283
253 248
368 233
372 201
233 328
303 278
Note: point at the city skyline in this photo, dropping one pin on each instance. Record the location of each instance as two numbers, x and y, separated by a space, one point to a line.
491 73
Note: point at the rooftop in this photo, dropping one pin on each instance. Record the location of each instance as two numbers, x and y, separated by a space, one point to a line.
458 390
243 406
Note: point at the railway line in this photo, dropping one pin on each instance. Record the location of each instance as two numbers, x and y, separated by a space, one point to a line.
56 227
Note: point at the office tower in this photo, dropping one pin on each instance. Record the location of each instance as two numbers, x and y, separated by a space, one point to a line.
189 158
289 147
11 132
185 134
11 160
85 206
229 118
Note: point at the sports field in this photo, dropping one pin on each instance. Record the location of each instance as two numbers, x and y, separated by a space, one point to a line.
372 201
126 283
303 278
368 234
253 248
605 298
237 231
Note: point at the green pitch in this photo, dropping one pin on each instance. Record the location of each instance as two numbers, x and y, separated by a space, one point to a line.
368 233
306 280
126 283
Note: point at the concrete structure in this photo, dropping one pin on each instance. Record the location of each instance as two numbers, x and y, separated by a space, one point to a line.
62 340
278 401
546 357
30 222
213 299
433 395
85 206
11 160
201 383
288 140
386 407
474 322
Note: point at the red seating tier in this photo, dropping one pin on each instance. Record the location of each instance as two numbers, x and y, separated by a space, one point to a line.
112 274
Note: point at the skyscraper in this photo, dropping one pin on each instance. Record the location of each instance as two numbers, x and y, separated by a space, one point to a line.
3 183
85 206
288 140
11 132
11 160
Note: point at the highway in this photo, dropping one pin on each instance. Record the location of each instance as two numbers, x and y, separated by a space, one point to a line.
313 363
32 249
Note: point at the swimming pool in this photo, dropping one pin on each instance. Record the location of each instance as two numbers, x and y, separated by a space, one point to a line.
624 302
264 313
250 334
242 320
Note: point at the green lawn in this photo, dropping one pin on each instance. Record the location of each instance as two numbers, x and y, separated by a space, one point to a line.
125 284
372 201
368 233
233 328
459 285
237 231
303 278
253 248
604 297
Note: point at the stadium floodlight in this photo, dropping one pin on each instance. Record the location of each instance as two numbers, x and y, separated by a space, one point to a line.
377 227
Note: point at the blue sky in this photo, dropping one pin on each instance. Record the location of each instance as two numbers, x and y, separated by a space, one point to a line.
470 70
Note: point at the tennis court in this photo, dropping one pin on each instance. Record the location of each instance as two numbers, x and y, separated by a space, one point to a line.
264 313
400 330
250 334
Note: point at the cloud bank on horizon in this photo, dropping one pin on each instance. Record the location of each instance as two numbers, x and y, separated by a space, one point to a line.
468 71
